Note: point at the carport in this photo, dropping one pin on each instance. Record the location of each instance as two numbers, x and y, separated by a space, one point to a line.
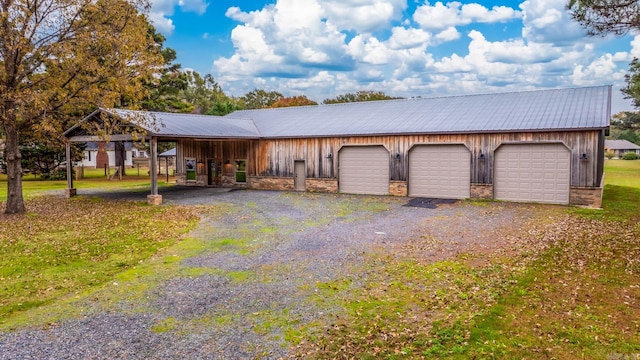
127 125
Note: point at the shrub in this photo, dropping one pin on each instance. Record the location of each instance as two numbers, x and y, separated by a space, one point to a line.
630 156
609 154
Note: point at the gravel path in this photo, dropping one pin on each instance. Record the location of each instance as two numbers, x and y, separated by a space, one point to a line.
266 257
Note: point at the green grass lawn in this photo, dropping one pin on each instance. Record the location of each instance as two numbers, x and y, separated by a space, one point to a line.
93 179
66 246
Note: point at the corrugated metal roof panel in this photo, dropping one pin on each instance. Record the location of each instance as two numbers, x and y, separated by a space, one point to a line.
562 109
190 125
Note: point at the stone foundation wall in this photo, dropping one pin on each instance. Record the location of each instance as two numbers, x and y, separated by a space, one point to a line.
201 180
590 197
482 191
228 180
270 183
181 179
322 185
398 188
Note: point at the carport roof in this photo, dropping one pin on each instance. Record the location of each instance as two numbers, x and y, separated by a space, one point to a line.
170 125
542 110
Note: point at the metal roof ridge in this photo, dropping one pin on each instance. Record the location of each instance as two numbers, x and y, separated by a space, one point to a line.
418 98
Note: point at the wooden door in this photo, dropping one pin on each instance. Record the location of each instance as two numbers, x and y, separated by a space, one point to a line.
299 175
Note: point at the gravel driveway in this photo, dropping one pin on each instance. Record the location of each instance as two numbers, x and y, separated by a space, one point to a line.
263 256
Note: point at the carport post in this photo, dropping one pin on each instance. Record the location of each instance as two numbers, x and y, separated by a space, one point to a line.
69 191
154 198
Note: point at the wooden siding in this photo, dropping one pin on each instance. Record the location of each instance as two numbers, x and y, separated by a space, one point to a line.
230 150
275 157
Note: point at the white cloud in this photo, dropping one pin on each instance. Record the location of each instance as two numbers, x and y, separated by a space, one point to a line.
285 39
441 16
635 47
448 34
162 10
322 48
601 68
406 38
548 21
196 6
361 15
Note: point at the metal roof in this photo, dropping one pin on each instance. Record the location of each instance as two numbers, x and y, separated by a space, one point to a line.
620 145
190 125
168 153
542 110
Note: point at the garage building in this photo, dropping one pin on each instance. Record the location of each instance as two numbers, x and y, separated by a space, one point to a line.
534 146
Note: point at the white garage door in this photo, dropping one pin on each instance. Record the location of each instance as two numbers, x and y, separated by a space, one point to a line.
440 171
533 172
364 170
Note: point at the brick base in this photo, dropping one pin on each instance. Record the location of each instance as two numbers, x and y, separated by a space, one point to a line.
154 200
270 183
322 185
482 191
590 197
69 193
398 188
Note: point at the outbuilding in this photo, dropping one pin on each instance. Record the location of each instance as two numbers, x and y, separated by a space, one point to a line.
621 147
533 146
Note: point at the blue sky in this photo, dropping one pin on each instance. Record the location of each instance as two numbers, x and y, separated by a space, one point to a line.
324 48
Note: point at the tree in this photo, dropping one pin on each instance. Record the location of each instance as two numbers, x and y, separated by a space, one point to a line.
224 107
165 92
64 57
359 96
293 101
602 17
260 99
625 126
632 78
203 92
626 120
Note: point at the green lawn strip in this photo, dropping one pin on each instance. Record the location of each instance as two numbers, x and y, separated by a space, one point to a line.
131 289
407 309
31 189
67 246
579 300
621 198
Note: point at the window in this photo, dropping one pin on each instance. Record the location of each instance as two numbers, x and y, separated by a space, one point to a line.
241 170
190 169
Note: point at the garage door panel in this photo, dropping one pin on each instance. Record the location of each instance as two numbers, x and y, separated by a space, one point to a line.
364 170
439 171
533 172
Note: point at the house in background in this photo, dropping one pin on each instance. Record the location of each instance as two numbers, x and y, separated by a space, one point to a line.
621 147
533 146
98 154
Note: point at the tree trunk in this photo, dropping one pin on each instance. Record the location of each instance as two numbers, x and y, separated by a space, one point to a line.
121 155
15 201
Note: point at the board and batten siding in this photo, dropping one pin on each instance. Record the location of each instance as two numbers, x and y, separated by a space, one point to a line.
220 150
275 157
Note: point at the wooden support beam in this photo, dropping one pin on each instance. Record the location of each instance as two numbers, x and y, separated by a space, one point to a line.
154 198
70 191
